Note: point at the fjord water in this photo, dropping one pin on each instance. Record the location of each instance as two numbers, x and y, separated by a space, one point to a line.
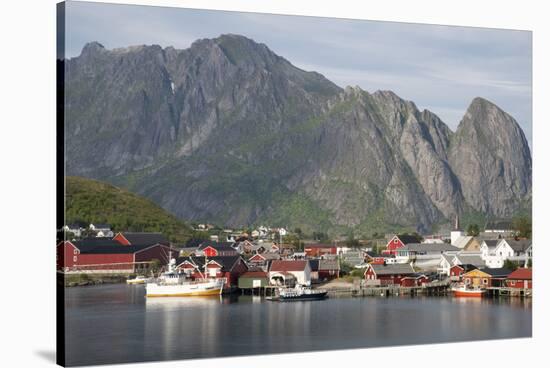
117 324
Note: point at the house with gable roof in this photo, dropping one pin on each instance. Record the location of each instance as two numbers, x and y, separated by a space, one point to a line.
281 272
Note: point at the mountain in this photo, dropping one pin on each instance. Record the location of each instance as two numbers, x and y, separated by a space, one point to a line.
90 201
227 131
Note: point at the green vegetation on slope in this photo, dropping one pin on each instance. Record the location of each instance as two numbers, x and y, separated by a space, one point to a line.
90 201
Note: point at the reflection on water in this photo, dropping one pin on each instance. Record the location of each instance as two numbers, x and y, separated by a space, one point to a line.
175 302
116 324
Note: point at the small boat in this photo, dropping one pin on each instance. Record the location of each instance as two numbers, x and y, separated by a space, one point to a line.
462 290
138 280
300 293
172 283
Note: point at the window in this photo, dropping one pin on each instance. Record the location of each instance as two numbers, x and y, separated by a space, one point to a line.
75 251
395 241
485 281
467 281
512 283
74 259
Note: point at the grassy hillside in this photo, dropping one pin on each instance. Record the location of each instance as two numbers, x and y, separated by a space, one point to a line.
91 201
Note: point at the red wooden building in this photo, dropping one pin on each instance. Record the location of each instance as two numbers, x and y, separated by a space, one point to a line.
398 241
388 274
216 249
230 267
106 255
263 259
414 280
328 269
458 270
318 250
522 278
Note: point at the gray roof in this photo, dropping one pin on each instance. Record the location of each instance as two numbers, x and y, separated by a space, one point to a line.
472 259
497 272
430 247
393 269
462 241
492 243
488 236
519 245
328 264
448 258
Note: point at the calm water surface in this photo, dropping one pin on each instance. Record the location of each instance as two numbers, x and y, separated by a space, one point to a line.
117 324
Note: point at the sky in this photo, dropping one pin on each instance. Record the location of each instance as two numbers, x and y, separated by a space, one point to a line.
439 68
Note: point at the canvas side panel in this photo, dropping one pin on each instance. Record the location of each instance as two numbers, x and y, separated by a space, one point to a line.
60 177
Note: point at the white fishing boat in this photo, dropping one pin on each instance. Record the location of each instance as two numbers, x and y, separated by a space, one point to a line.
172 283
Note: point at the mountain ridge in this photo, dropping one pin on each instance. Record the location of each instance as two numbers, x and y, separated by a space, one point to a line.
228 131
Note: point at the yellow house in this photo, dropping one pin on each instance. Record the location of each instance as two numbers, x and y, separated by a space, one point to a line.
477 278
473 245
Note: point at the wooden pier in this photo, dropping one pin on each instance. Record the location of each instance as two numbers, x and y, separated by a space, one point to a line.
496 292
434 288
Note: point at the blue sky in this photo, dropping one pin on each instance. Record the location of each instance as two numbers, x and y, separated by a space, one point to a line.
440 68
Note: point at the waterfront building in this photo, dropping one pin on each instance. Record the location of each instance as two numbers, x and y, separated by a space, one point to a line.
280 270
520 278
230 267
417 279
486 277
102 255
388 274
457 271
253 280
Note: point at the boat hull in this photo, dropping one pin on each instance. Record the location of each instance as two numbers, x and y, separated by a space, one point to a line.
469 293
136 282
214 287
303 297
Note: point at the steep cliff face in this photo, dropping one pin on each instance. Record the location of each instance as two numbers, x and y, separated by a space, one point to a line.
228 131
490 156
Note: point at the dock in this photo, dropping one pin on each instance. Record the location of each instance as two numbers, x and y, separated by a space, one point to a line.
497 292
433 288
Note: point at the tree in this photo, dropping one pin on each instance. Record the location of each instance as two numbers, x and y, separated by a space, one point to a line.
345 268
320 236
155 265
417 237
351 241
472 230
510 265
523 227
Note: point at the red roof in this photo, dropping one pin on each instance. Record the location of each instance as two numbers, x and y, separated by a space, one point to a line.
282 266
521 274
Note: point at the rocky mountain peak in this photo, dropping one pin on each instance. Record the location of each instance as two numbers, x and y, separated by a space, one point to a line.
92 48
227 131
